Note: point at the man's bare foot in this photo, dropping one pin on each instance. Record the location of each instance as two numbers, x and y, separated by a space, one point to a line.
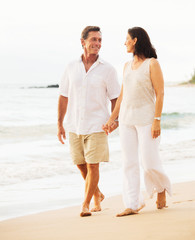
97 201
129 211
85 212
161 200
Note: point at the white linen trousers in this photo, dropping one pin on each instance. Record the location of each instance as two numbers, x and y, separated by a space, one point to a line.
137 142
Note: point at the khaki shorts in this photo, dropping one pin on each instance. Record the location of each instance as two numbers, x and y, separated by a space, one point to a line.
91 148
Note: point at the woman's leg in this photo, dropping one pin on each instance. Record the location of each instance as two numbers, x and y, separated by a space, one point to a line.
154 175
131 170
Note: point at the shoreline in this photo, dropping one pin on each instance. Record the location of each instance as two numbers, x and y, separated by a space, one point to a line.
54 197
177 221
182 84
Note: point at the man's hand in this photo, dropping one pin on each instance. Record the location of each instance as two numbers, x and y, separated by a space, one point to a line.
156 130
61 134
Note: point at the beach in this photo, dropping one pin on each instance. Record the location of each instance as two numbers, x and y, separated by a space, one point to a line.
36 171
42 191
175 222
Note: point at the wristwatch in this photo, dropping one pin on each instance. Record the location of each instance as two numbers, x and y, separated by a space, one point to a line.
157 118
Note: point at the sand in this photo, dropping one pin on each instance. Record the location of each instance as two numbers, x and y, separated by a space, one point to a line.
177 222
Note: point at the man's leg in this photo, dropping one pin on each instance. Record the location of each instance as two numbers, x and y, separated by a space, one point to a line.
91 183
95 151
98 195
77 154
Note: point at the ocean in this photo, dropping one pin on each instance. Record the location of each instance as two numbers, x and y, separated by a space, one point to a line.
36 171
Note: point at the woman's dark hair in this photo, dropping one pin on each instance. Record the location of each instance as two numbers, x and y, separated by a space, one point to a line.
143 46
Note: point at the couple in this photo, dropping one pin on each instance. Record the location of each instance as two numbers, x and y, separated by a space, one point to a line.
85 88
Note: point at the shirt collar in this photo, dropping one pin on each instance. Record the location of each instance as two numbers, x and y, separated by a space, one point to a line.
99 60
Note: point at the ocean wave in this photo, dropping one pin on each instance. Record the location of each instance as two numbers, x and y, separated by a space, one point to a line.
42 160
24 133
173 120
176 114
176 120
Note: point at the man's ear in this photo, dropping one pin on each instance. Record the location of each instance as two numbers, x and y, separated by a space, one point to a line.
82 42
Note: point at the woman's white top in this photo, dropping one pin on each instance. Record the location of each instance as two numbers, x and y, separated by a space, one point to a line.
138 103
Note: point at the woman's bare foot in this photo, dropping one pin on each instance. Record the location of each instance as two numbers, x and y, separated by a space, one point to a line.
85 212
129 211
161 200
97 201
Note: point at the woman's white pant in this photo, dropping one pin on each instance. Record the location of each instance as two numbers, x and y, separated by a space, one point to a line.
137 142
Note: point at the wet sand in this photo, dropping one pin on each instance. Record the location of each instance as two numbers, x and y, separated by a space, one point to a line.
175 222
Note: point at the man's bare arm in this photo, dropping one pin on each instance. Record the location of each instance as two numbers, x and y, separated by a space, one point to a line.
62 107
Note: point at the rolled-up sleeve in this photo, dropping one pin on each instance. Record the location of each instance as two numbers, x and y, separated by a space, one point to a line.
113 87
64 84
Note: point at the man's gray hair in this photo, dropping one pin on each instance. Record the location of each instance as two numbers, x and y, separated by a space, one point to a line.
88 29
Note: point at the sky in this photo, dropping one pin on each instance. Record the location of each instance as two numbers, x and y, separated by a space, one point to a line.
38 38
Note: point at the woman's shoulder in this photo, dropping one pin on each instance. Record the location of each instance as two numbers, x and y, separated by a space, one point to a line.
154 65
127 64
153 61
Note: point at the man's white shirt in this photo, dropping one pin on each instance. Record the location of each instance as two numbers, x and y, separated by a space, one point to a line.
88 95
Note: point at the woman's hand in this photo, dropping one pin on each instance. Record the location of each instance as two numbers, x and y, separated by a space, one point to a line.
110 126
156 129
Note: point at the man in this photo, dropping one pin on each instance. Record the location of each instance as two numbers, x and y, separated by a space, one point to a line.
85 88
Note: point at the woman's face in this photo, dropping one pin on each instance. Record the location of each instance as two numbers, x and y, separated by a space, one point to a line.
130 43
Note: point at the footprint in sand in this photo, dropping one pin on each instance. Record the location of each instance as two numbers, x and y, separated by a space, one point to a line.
191 200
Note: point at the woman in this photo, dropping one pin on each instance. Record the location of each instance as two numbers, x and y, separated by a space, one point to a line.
139 108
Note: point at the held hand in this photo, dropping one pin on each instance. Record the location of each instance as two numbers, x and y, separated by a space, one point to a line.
105 128
61 134
156 129
110 126
113 126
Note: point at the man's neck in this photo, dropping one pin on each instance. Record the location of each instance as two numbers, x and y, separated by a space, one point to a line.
89 59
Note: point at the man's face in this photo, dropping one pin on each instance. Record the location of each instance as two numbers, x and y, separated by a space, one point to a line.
93 42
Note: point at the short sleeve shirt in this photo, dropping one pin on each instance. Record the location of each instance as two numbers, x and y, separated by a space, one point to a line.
88 95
